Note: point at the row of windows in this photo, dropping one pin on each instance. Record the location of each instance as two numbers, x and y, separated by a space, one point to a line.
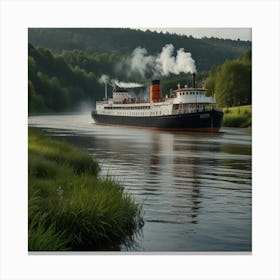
191 93
128 108
155 113
122 93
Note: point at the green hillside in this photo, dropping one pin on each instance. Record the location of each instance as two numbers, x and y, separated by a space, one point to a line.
206 52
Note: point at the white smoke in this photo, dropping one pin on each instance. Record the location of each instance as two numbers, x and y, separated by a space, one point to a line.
104 79
140 61
126 85
167 64
163 64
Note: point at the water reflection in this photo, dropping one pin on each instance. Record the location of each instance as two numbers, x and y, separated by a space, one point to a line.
154 154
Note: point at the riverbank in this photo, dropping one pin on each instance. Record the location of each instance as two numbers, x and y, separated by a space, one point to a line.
240 116
69 208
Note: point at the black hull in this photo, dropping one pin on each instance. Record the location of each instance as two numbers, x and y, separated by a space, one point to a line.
200 121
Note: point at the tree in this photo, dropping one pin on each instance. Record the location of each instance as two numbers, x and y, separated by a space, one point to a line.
232 82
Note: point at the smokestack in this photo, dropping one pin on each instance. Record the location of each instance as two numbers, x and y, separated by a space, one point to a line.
155 91
193 80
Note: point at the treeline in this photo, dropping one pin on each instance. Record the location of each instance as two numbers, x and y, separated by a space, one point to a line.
206 52
55 86
232 81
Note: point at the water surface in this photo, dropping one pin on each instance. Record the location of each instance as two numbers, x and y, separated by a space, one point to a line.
195 188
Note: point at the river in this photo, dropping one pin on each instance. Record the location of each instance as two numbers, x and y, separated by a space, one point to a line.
195 188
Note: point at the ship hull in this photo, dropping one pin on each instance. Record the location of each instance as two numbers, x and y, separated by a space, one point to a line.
201 121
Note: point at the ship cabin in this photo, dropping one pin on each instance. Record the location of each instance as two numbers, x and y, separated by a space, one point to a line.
190 100
121 96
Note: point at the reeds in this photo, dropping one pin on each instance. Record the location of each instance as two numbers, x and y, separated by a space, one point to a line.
69 207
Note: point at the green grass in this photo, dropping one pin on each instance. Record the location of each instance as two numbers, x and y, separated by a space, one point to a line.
69 207
240 116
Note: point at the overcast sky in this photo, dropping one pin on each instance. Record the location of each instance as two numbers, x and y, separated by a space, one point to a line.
226 33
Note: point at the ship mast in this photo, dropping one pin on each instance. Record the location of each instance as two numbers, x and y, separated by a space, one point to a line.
105 90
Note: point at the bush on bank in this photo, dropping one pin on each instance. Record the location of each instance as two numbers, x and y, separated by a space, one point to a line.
240 116
69 208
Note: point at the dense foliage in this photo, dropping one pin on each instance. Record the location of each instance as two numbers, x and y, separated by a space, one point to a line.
53 85
232 82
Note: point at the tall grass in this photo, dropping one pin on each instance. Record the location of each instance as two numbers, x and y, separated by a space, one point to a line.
240 116
69 207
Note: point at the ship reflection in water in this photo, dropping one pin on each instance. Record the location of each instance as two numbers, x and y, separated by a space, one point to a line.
195 188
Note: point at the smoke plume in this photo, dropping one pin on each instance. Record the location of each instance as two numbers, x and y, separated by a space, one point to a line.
114 82
163 64
140 61
104 79
126 85
143 65
167 64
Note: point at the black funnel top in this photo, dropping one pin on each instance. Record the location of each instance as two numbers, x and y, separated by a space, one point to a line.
193 80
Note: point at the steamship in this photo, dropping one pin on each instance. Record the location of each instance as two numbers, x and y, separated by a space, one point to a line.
186 108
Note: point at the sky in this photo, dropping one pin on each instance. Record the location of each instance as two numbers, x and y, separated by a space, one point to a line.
225 33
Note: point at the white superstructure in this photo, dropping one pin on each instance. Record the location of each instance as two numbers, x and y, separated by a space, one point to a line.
181 101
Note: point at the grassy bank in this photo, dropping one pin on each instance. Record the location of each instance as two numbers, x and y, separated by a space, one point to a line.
69 208
240 116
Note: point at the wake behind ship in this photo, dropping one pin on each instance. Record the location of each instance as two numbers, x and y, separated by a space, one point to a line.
186 109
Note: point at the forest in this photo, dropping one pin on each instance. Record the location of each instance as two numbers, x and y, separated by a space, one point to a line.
65 65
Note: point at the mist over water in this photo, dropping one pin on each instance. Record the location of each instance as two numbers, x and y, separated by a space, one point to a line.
195 188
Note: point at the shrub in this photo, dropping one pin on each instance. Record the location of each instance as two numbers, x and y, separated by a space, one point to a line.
240 116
